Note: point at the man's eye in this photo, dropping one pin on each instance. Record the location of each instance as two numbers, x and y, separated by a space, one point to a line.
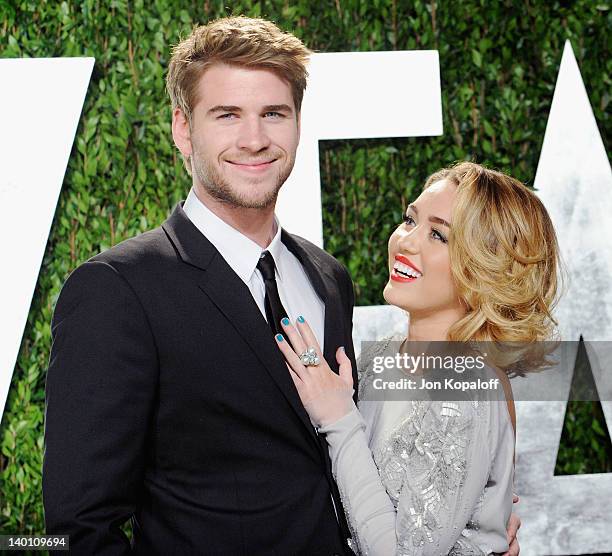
227 116
274 115
409 220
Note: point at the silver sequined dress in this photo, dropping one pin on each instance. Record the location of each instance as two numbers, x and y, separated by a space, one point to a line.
424 477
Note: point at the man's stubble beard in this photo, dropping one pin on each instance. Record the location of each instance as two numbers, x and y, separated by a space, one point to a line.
218 188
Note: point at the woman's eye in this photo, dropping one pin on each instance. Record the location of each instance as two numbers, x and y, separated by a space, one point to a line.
408 220
227 116
437 235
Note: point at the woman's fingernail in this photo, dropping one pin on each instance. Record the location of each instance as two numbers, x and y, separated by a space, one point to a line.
301 319
285 321
342 348
279 338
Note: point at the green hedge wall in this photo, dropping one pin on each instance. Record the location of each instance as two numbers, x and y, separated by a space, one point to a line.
499 62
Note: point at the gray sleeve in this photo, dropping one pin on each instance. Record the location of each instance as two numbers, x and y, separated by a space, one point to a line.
369 510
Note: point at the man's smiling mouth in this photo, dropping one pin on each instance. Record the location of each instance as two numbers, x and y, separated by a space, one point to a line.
252 164
255 167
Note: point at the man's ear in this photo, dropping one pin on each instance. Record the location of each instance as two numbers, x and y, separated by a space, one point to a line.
181 132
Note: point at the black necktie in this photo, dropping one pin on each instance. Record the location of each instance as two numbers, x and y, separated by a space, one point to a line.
274 308
274 313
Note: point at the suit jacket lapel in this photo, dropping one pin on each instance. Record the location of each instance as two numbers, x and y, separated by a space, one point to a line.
233 298
326 287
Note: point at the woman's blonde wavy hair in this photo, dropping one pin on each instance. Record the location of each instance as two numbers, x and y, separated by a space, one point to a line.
506 266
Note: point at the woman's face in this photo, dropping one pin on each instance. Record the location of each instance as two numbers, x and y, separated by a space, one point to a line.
420 280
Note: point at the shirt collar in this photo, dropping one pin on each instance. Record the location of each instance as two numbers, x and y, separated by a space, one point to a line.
240 252
276 248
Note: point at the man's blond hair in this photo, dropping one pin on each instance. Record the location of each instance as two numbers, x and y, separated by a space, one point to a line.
238 41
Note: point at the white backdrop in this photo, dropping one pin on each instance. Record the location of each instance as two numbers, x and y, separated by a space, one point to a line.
353 95
40 105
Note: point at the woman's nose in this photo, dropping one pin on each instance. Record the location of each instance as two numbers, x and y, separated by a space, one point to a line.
409 241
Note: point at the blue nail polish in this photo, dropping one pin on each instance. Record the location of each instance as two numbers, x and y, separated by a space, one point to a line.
279 337
285 321
301 319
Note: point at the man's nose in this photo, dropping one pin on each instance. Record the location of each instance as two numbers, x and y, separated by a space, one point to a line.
253 136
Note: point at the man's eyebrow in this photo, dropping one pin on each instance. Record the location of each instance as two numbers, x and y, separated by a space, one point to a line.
268 108
223 108
278 108
435 219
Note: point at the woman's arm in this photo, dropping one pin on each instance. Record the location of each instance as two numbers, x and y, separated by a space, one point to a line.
444 468
369 510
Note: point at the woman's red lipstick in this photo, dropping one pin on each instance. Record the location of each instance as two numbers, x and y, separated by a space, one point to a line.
399 277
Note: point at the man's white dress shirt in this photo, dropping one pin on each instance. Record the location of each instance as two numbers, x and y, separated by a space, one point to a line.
242 254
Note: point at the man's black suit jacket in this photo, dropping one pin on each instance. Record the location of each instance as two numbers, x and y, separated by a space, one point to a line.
168 401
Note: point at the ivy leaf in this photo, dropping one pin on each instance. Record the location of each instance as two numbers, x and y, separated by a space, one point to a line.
477 58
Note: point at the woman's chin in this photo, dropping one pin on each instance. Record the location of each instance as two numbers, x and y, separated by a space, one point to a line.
393 296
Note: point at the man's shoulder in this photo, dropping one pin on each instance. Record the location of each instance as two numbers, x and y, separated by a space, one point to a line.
148 248
132 260
136 266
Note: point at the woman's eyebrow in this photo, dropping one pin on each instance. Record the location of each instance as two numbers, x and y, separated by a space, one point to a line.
435 219
439 220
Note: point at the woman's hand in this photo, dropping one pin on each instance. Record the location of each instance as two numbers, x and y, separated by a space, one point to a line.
326 396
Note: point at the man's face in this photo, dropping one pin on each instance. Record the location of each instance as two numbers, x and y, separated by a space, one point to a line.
244 135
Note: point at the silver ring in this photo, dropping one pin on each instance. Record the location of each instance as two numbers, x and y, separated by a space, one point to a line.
309 358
